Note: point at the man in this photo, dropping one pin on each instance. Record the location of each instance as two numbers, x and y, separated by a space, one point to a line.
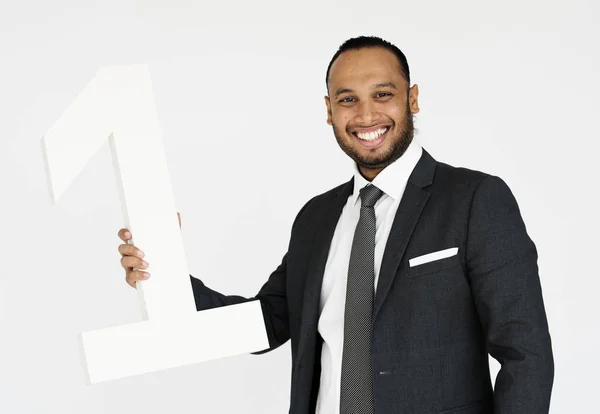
397 284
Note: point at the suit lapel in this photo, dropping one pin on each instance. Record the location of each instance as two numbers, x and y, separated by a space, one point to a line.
409 211
319 251
411 206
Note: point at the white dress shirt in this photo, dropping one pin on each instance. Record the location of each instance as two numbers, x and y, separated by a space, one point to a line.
392 181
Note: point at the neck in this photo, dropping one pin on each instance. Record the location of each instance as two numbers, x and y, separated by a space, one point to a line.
369 173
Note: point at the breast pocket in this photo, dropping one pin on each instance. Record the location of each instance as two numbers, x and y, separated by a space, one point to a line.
434 266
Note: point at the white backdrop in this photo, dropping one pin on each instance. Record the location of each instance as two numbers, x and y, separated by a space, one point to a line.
510 88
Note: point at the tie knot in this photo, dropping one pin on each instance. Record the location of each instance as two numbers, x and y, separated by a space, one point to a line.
369 195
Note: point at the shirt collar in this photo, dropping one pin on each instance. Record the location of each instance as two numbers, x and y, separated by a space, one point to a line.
393 177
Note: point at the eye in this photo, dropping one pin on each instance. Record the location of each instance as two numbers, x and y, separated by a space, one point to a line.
347 99
382 94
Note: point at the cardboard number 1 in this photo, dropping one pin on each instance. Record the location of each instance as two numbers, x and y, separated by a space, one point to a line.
118 106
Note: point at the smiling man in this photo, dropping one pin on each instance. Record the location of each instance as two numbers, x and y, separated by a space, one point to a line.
371 105
399 283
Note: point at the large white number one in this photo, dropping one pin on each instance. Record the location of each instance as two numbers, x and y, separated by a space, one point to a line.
118 105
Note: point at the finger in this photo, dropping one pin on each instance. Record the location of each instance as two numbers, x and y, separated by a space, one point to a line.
129 262
130 250
133 276
179 218
124 234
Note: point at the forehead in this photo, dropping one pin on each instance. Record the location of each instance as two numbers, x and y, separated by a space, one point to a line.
364 66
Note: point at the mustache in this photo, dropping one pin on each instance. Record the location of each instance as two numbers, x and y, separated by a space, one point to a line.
350 128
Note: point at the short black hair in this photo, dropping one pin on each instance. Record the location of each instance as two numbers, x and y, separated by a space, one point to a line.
362 42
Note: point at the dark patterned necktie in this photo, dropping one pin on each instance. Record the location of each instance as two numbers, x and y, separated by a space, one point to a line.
356 391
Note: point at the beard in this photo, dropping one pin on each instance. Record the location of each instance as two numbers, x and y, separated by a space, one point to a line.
397 144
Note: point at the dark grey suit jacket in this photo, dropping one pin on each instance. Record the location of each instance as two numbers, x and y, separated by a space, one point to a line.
434 324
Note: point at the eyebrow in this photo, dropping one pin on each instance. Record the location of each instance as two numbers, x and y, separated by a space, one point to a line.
378 85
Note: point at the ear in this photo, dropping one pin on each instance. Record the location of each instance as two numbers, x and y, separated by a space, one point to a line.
328 104
413 99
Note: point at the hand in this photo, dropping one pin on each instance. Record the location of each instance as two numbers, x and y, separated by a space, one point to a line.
132 258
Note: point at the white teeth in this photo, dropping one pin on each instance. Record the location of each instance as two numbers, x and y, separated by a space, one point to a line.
372 136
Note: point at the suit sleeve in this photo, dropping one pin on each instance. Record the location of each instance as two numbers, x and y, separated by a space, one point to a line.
503 272
272 296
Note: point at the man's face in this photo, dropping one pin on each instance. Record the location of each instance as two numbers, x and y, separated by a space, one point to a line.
370 107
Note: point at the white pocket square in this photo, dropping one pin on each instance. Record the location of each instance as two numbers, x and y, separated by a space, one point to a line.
442 254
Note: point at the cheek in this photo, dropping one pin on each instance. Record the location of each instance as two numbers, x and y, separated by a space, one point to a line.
347 115
341 118
396 113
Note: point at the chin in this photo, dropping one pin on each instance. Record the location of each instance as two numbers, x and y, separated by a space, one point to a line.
372 160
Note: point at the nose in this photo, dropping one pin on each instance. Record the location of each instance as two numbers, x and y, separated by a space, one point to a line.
365 113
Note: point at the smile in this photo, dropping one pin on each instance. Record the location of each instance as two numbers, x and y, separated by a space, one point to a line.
372 139
371 136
